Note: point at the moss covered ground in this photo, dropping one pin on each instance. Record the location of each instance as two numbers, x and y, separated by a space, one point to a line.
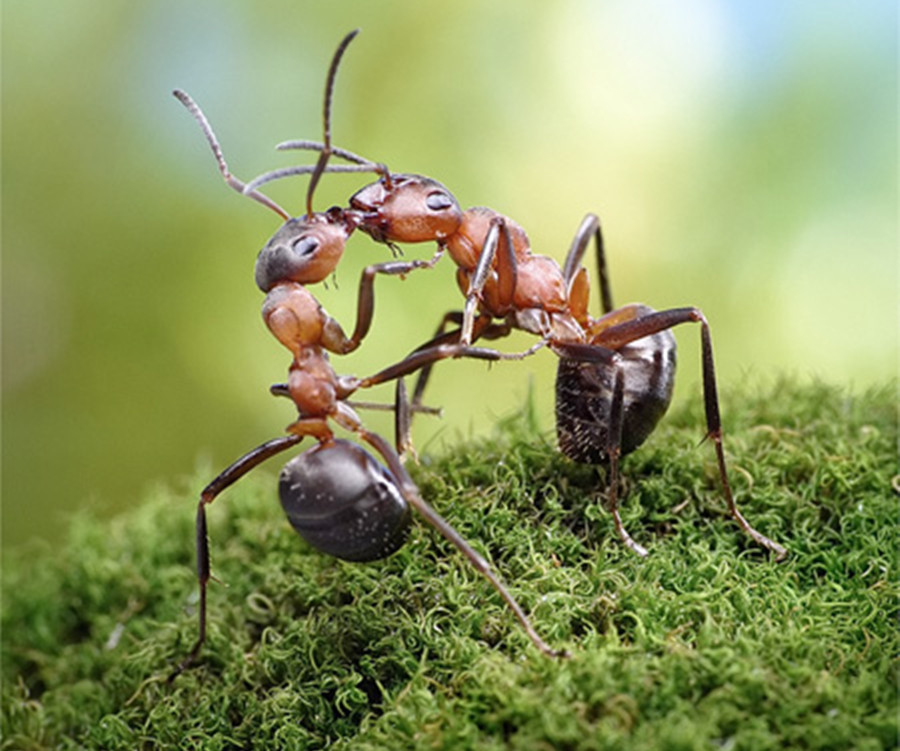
706 644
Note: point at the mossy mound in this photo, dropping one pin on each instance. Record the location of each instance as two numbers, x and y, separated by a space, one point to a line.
708 643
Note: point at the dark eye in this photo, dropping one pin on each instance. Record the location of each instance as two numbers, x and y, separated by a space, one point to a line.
305 245
438 201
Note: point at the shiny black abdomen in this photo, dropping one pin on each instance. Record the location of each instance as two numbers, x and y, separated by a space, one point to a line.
584 396
344 503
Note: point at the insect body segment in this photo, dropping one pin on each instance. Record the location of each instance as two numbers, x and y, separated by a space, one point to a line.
344 503
585 390
496 269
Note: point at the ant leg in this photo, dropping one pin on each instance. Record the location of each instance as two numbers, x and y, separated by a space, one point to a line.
614 453
585 352
600 354
411 493
714 431
424 357
590 226
620 334
228 476
483 329
440 337
367 289
506 275
333 337
403 421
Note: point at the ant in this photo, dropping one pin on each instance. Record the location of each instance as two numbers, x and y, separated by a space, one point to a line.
616 373
336 495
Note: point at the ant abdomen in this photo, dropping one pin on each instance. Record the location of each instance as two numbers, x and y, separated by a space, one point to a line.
584 396
343 502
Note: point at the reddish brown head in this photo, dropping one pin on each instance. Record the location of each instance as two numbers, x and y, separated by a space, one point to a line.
407 209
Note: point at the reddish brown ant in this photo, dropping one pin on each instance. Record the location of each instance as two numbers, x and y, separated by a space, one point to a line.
616 372
337 496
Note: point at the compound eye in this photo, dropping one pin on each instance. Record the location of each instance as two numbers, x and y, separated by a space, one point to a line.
438 201
305 245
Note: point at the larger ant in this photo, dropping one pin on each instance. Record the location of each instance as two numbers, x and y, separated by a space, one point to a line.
336 495
616 373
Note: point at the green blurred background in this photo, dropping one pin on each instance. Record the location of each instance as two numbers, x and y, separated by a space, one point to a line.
742 156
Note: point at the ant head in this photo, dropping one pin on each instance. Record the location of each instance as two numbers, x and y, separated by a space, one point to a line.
303 250
307 250
407 209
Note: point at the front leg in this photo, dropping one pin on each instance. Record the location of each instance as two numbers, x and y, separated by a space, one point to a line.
333 337
424 357
498 235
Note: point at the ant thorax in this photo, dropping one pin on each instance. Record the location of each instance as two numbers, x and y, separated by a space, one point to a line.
294 316
466 244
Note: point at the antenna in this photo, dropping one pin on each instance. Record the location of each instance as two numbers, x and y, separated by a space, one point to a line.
326 151
230 179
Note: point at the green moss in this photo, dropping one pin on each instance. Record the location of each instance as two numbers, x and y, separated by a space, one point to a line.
705 644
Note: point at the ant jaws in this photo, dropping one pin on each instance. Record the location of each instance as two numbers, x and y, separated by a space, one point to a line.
396 251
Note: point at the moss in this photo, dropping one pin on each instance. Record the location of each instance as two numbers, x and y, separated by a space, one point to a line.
706 643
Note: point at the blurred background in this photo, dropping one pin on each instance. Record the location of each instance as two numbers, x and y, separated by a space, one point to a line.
742 157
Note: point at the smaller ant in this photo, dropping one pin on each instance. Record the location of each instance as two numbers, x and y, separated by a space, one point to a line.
337 496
